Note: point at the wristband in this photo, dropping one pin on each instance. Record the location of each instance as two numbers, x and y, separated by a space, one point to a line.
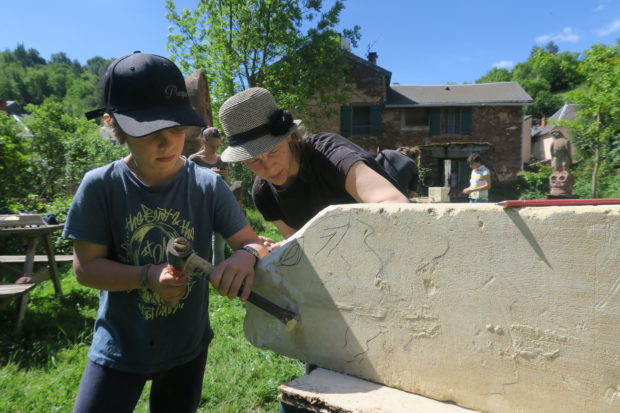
144 277
252 251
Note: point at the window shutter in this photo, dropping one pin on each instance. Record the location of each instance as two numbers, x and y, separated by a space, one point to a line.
465 121
375 120
345 121
435 120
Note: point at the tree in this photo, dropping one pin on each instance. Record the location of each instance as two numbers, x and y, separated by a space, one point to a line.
246 43
13 158
597 127
62 149
544 76
496 74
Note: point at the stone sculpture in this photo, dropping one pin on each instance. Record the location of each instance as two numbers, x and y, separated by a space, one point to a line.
560 181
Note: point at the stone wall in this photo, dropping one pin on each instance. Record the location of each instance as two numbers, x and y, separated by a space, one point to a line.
500 310
499 126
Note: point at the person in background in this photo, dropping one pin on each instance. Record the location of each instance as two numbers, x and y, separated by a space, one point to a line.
207 156
402 166
480 181
296 177
153 322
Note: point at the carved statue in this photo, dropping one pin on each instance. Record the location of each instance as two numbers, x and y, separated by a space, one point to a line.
561 183
560 152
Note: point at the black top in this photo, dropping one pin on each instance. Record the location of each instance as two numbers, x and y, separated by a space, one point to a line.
325 163
402 168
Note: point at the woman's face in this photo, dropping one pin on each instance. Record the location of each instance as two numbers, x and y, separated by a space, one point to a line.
211 145
276 165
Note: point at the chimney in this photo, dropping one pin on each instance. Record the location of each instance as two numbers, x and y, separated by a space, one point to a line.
372 57
345 44
543 123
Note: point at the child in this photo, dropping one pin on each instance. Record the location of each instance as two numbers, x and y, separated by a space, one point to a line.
480 181
151 325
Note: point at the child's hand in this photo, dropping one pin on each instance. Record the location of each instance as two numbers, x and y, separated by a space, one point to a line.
234 274
168 283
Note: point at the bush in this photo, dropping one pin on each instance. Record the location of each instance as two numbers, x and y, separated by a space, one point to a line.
534 184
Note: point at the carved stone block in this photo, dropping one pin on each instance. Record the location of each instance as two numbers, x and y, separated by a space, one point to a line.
496 309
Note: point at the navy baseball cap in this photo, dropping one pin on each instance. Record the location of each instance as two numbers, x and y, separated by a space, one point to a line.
146 93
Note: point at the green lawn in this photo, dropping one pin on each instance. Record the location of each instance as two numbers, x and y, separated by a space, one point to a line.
40 371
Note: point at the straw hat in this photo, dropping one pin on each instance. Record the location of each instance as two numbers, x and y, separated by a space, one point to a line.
253 124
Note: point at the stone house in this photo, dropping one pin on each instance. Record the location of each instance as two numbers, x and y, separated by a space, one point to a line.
541 135
447 122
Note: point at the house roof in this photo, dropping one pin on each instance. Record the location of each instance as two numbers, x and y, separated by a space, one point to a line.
372 66
501 93
566 112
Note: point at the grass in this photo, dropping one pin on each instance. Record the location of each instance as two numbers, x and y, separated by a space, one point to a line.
41 370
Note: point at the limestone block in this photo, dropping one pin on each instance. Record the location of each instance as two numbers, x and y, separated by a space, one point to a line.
500 310
328 391
439 193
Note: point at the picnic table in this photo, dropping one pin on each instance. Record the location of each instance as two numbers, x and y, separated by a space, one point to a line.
30 230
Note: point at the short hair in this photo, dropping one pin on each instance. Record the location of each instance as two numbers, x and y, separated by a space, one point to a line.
118 133
410 151
210 133
474 157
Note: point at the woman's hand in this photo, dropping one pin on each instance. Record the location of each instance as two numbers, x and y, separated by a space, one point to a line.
270 244
235 274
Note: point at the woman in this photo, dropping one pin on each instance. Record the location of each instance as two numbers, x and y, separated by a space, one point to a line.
296 177
208 157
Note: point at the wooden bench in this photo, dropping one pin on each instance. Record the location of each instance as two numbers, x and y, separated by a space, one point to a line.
20 259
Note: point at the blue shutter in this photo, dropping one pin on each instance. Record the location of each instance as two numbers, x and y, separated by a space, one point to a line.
435 121
375 120
345 121
466 121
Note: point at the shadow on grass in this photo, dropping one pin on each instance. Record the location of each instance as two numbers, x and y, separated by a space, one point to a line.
51 325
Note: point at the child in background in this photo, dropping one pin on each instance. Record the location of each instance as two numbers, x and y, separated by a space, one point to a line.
151 325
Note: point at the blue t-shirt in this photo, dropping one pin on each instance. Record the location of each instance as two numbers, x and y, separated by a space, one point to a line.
134 331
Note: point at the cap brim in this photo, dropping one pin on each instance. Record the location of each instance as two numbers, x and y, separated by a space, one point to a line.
256 146
143 122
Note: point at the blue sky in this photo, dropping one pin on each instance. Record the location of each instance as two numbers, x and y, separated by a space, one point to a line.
421 42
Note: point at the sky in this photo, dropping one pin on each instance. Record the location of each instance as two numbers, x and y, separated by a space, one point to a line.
421 42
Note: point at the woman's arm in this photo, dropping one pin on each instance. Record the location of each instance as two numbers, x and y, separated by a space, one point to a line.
367 186
238 270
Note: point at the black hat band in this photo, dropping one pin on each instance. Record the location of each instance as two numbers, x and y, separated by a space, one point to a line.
280 122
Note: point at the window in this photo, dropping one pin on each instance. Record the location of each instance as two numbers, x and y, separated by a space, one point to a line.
360 120
451 121
414 119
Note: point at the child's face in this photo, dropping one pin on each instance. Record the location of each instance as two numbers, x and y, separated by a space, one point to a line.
159 151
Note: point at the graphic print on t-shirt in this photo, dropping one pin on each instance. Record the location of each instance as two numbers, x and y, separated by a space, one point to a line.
147 233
